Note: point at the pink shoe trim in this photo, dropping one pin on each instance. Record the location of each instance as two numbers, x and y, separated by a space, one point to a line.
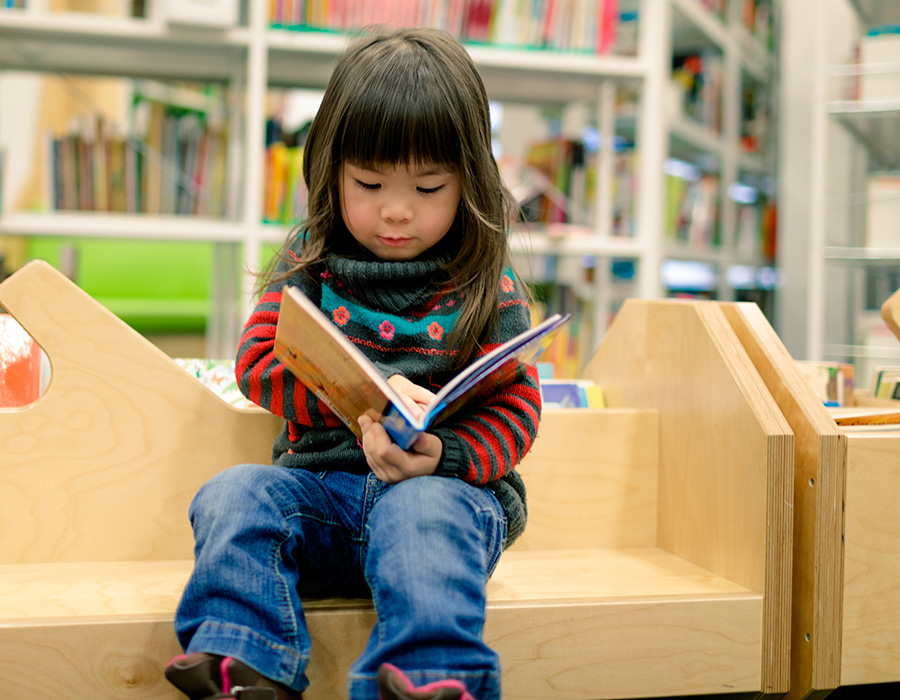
176 660
223 670
436 685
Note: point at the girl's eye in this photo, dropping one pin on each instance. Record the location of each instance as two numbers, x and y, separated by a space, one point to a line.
430 190
368 185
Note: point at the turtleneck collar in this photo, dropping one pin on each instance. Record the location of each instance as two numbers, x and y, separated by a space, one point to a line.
397 286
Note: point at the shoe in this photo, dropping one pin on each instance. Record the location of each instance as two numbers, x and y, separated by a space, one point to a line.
394 685
211 677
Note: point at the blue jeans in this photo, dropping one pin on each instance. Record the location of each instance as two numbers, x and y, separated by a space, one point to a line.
423 549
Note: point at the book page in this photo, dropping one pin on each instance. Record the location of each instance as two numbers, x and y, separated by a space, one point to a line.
494 370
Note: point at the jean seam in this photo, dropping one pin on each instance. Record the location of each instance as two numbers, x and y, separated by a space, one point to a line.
371 493
437 672
288 613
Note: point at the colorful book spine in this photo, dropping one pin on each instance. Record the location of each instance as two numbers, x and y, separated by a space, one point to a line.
586 26
285 194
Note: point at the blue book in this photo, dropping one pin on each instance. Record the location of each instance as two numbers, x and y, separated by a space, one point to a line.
321 357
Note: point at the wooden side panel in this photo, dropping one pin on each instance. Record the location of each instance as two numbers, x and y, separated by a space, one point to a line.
726 452
871 615
630 649
104 465
820 453
890 312
592 480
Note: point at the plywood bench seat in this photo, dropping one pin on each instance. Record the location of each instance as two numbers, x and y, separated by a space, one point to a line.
113 622
658 536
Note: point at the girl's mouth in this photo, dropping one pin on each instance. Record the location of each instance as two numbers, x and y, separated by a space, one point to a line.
394 242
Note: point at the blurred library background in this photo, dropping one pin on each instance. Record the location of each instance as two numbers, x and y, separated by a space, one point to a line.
725 149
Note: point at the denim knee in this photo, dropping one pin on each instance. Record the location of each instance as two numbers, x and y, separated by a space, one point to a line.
236 489
444 511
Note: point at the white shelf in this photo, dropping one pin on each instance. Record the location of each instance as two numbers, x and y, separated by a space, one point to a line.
125 226
876 124
867 256
574 245
695 27
707 254
85 44
509 74
875 12
694 137
861 351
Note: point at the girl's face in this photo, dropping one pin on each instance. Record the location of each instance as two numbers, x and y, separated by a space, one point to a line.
398 212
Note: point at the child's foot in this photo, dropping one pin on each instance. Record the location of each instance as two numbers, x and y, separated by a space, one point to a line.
393 685
210 677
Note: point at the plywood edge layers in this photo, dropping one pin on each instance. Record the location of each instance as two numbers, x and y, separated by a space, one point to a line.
819 483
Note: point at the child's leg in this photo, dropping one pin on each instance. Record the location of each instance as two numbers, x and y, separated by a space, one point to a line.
257 528
433 543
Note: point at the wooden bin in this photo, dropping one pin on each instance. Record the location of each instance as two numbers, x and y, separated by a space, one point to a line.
846 601
656 561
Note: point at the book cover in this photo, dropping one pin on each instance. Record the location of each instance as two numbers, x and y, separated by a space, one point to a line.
321 357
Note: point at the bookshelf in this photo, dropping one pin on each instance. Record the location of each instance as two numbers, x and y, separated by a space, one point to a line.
723 151
252 57
854 258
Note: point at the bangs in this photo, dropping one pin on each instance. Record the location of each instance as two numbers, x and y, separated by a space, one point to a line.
399 116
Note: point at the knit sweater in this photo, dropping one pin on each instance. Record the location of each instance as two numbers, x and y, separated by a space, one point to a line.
399 314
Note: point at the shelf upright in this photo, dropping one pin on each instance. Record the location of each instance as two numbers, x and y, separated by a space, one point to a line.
655 56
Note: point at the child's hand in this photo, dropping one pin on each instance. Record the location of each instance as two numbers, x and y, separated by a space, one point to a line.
414 396
392 464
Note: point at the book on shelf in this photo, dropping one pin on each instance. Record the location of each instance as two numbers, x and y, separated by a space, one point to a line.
886 383
170 160
557 183
692 208
832 382
571 393
322 358
574 345
587 26
698 87
284 191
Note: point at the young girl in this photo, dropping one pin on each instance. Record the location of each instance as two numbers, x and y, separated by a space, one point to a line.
405 249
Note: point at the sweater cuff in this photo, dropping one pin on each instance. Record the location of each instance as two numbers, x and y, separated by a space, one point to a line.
454 461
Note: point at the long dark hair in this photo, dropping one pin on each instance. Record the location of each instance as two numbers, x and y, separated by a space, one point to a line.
413 96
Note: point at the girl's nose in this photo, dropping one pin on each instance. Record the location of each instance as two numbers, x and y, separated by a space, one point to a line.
397 210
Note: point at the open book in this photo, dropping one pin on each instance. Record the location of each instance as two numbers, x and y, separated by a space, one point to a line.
320 356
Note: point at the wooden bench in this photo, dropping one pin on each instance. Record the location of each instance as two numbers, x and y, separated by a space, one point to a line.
656 561
846 602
